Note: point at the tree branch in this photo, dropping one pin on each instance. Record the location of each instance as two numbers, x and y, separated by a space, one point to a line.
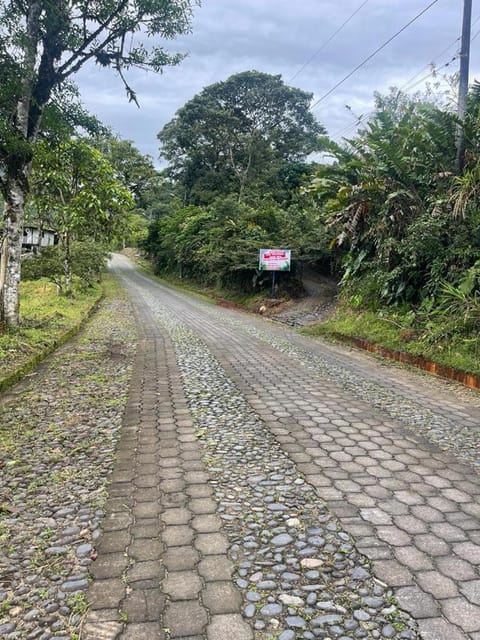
65 71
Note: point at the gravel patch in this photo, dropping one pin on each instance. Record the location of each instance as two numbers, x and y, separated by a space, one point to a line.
58 432
300 574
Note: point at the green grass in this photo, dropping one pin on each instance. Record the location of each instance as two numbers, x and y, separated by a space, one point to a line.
444 340
46 320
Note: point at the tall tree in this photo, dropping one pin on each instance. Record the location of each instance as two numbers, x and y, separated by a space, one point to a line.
79 189
42 44
237 131
134 169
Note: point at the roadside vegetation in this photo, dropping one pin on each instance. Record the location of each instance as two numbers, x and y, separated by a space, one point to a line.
385 213
48 320
388 215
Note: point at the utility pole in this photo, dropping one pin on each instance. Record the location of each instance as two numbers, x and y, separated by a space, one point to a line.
463 82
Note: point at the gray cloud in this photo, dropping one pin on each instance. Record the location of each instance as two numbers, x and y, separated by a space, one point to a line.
279 36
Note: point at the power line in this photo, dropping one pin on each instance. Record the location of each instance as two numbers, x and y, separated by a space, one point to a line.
438 56
327 41
372 55
408 86
405 87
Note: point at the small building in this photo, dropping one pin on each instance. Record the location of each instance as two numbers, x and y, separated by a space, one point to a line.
31 238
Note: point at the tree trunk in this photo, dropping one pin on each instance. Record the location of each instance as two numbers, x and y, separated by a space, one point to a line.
67 264
3 273
10 271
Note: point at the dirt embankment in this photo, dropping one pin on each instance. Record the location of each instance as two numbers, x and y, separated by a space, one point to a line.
318 303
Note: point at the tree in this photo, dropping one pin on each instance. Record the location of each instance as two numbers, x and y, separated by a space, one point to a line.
237 132
42 44
386 199
134 169
78 187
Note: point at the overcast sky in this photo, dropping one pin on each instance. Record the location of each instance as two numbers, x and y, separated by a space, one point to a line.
280 37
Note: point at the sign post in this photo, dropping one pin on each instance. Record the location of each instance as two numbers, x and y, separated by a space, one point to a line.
274 260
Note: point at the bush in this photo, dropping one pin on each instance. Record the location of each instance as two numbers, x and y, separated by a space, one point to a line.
88 260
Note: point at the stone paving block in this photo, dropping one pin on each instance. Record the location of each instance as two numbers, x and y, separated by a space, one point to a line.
188 453
146 509
199 491
410 524
432 545
459 519
418 603
376 516
472 508
176 515
392 573
394 536
448 532
413 558
468 551
455 568
357 528
196 477
427 514
207 523
173 485
147 469
221 597
149 494
211 543
180 558
409 498
102 615
343 510
182 585
144 605
231 626
394 507
193 465
106 594
437 584
202 505
172 462
471 590
177 535
117 521
319 480
148 570
141 551
462 613
439 629
147 528
148 481
185 618
376 552
101 630
456 495
168 452
376 490
215 567
109 565
360 500
113 541
143 631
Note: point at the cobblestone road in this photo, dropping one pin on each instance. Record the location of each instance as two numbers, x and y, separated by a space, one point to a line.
271 487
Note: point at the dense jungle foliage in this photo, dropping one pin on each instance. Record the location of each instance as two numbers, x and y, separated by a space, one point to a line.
386 214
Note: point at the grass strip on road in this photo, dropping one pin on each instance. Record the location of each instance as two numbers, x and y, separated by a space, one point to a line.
47 320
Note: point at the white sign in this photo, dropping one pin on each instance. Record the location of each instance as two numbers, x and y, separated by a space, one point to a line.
274 260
